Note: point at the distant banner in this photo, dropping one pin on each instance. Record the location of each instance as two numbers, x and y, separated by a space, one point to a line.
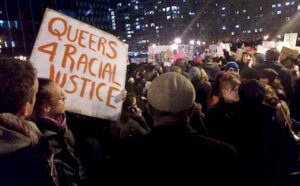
89 64
291 38
169 53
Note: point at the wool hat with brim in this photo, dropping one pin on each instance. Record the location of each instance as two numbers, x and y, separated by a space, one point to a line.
232 64
171 92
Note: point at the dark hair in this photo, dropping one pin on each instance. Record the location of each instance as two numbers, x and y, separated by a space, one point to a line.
43 97
251 92
126 106
16 84
272 55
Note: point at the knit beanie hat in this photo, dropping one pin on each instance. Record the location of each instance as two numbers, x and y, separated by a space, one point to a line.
231 64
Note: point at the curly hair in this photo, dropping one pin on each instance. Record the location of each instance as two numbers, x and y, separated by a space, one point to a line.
16 84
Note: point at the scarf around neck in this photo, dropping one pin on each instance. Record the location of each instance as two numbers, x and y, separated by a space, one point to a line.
59 123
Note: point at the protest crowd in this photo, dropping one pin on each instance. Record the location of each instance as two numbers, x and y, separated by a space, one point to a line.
214 122
211 121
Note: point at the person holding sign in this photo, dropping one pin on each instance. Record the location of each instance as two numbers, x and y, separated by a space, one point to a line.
51 120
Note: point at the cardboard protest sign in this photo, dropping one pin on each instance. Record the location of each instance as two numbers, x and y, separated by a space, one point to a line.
268 44
291 38
261 49
286 52
89 64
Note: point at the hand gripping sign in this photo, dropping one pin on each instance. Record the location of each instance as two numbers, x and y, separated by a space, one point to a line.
89 64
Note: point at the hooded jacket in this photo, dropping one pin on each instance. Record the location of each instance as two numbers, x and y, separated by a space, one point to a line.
23 154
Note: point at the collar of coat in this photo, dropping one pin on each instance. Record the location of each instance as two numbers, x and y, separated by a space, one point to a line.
16 133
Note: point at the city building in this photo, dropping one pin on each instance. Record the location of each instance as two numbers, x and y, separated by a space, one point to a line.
20 20
142 23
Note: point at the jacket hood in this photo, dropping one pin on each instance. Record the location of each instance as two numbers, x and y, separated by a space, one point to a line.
16 133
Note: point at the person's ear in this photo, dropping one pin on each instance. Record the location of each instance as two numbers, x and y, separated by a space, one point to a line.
46 109
25 110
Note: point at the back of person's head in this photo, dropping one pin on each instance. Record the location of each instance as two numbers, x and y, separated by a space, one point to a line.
208 59
251 92
180 63
229 88
172 93
228 81
194 74
272 55
259 58
269 74
271 97
17 79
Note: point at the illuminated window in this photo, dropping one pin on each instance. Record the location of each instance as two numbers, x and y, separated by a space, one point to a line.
279 5
223 8
279 12
174 7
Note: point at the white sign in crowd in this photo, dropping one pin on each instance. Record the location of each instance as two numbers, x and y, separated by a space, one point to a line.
89 64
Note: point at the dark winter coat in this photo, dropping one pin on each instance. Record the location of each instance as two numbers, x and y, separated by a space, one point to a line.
67 168
178 155
23 158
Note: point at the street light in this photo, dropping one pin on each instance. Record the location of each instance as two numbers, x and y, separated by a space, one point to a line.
198 42
154 45
192 42
177 40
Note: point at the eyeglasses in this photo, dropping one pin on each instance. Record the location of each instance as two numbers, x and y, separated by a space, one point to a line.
62 97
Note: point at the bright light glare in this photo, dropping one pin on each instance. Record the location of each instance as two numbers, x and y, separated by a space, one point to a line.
174 46
177 40
266 37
